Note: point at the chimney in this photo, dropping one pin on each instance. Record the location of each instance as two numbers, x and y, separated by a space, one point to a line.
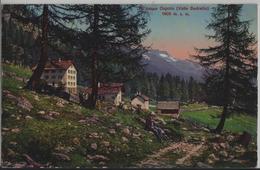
59 59
98 84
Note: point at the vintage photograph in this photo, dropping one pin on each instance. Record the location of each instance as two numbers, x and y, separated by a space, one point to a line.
129 85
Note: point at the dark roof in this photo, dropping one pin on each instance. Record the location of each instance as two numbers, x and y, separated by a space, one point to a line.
111 88
168 105
144 97
57 64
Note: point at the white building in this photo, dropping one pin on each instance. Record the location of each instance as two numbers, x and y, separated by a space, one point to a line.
61 73
140 101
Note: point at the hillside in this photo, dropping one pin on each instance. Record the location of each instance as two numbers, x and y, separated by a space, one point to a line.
46 131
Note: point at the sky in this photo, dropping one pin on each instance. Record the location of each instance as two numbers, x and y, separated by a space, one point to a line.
179 35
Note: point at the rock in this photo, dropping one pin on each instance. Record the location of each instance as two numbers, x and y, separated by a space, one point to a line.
59 104
13 143
126 131
101 163
18 117
184 128
30 161
61 156
223 145
150 140
53 113
223 154
24 103
205 129
5 129
20 165
213 157
11 153
28 117
41 112
36 97
93 146
230 138
210 161
15 130
203 165
94 135
47 117
236 161
124 139
118 125
112 131
76 141
82 121
97 158
105 143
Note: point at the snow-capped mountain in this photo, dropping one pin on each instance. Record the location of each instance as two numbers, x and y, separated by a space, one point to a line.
161 62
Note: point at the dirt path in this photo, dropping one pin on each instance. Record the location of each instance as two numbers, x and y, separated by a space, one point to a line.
158 160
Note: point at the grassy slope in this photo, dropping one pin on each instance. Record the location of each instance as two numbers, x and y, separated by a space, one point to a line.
236 123
39 137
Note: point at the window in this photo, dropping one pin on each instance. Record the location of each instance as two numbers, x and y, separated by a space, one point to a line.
60 77
60 71
46 71
46 77
53 71
53 77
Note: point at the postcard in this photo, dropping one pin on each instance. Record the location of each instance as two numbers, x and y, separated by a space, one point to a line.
129 85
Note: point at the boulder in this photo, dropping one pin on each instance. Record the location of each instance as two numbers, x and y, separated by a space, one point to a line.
223 154
41 112
112 131
124 139
28 117
53 113
105 143
93 146
61 156
11 153
76 141
59 104
20 165
36 97
94 135
47 117
24 103
126 131
15 130
118 125
97 158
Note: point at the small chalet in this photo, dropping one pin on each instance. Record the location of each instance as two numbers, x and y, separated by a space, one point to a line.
61 73
111 92
168 107
140 101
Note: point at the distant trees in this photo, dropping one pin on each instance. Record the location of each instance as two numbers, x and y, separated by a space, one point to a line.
231 63
166 87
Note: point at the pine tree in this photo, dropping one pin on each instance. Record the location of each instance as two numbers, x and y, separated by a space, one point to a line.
233 58
115 33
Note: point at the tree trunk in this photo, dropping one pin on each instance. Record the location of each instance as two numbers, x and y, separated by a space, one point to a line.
94 67
35 78
221 124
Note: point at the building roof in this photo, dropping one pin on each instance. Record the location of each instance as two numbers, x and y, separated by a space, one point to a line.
111 88
57 65
168 105
144 97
